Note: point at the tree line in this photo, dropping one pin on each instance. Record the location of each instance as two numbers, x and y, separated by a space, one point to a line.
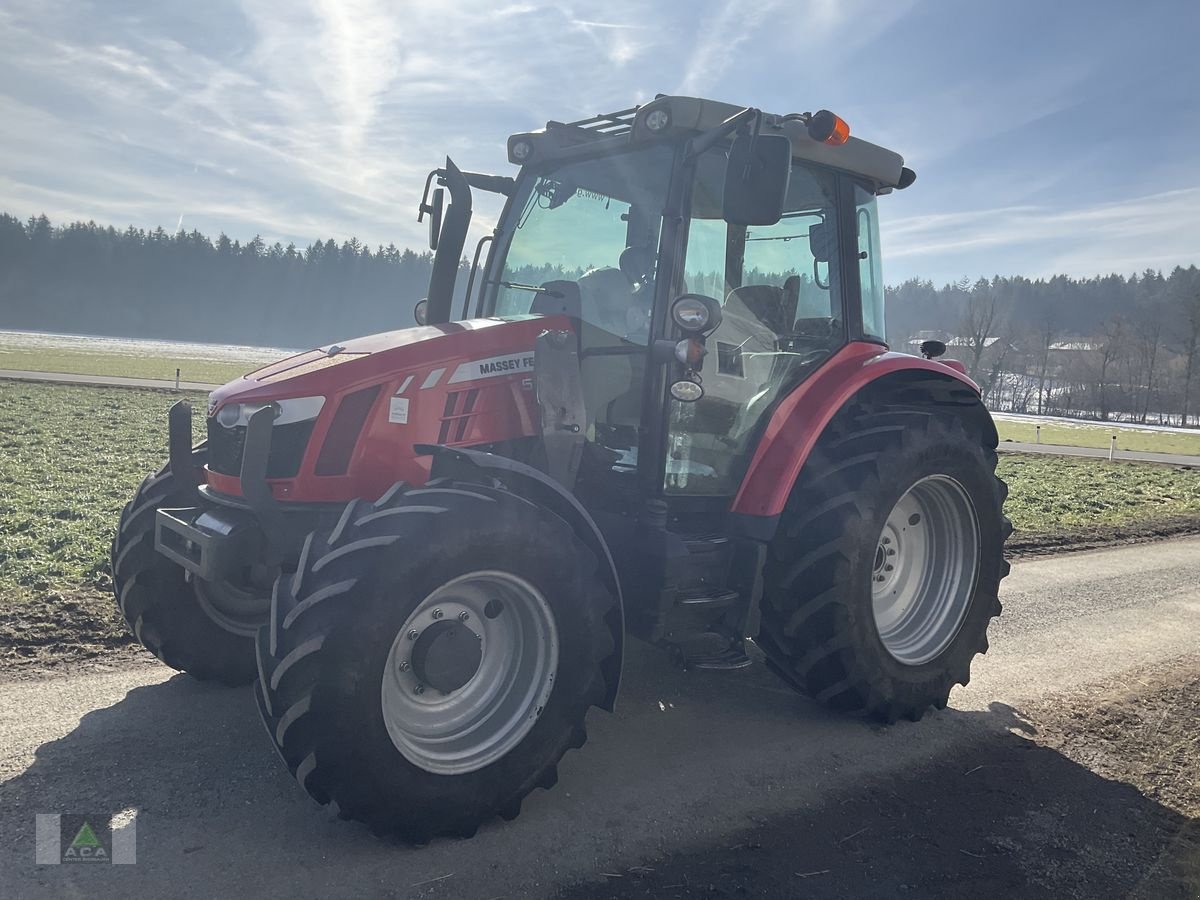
1108 347
86 278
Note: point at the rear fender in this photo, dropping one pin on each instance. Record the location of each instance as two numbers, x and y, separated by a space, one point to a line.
537 487
803 415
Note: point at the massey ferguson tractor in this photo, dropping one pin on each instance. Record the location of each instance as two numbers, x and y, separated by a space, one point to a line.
661 405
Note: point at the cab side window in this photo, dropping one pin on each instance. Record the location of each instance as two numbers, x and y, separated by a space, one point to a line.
870 272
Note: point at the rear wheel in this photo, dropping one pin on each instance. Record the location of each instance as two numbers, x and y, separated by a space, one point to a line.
434 656
198 631
885 570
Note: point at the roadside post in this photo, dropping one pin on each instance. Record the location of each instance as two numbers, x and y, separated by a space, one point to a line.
177 380
1111 447
1038 433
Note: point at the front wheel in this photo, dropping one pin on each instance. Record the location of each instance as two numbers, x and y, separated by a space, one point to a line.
434 656
885 571
185 625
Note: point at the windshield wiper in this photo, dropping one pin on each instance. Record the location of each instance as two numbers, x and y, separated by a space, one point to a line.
533 288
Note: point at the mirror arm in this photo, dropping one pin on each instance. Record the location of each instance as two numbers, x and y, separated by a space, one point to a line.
493 184
703 142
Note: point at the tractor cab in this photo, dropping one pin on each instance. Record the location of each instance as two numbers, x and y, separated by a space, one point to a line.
763 226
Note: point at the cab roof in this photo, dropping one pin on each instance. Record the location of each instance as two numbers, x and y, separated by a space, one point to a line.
878 165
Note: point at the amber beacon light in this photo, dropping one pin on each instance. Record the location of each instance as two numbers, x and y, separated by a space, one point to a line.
828 128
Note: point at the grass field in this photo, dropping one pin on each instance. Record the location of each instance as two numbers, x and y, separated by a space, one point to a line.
71 457
77 355
76 362
1129 437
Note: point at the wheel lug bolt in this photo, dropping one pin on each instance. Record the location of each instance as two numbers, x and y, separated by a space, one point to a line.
888 567
404 666
412 635
887 540
463 616
891 552
419 689
879 578
437 613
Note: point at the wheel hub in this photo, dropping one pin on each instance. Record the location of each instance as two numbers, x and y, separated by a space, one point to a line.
924 570
446 656
236 608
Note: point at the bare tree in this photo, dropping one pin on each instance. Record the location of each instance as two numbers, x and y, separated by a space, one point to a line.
1047 335
1185 303
979 326
1147 334
1106 363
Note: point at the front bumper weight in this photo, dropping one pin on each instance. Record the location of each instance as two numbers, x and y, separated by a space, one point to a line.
213 544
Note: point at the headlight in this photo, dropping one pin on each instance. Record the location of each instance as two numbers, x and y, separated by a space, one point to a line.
686 391
294 409
522 150
658 119
696 313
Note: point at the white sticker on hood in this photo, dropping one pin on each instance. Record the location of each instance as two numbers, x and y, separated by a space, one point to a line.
493 367
398 410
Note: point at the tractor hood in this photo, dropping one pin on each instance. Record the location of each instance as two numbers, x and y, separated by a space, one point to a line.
349 365
350 416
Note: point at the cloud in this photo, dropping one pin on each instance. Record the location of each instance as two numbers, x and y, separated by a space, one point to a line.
719 39
1155 230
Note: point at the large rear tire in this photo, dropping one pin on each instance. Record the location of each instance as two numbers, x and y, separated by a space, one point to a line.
162 608
885 570
434 656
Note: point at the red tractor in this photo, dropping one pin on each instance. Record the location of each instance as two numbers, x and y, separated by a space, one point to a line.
666 409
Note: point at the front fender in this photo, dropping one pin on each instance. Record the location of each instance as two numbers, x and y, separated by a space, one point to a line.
540 488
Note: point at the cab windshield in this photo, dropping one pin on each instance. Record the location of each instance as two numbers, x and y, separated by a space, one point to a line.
595 222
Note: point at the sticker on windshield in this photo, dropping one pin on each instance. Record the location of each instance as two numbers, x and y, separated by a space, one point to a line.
492 367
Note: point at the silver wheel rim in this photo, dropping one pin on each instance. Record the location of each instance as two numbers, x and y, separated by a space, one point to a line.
925 567
234 609
472 726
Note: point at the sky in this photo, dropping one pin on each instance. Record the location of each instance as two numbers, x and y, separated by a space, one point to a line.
1047 137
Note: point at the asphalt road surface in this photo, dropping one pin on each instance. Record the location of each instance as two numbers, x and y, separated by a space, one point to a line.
688 758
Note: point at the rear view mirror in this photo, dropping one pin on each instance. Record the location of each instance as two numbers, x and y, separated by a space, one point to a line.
435 217
434 211
756 180
820 242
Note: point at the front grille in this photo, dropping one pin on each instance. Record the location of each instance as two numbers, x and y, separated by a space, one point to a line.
288 443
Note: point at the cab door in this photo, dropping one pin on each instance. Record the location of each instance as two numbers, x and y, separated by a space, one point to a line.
782 289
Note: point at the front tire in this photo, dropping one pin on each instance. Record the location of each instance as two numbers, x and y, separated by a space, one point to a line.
885 570
161 606
434 657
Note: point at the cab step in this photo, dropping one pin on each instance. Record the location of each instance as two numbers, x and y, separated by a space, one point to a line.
707 598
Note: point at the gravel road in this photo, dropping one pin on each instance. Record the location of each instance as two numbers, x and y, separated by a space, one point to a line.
689 758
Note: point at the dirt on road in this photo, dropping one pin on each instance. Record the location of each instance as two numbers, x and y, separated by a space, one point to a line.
1095 537
1091 794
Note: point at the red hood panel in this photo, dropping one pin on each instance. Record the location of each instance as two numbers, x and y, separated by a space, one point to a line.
369 359
464 383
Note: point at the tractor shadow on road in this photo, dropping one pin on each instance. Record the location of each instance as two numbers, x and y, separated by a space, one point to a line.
713 783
